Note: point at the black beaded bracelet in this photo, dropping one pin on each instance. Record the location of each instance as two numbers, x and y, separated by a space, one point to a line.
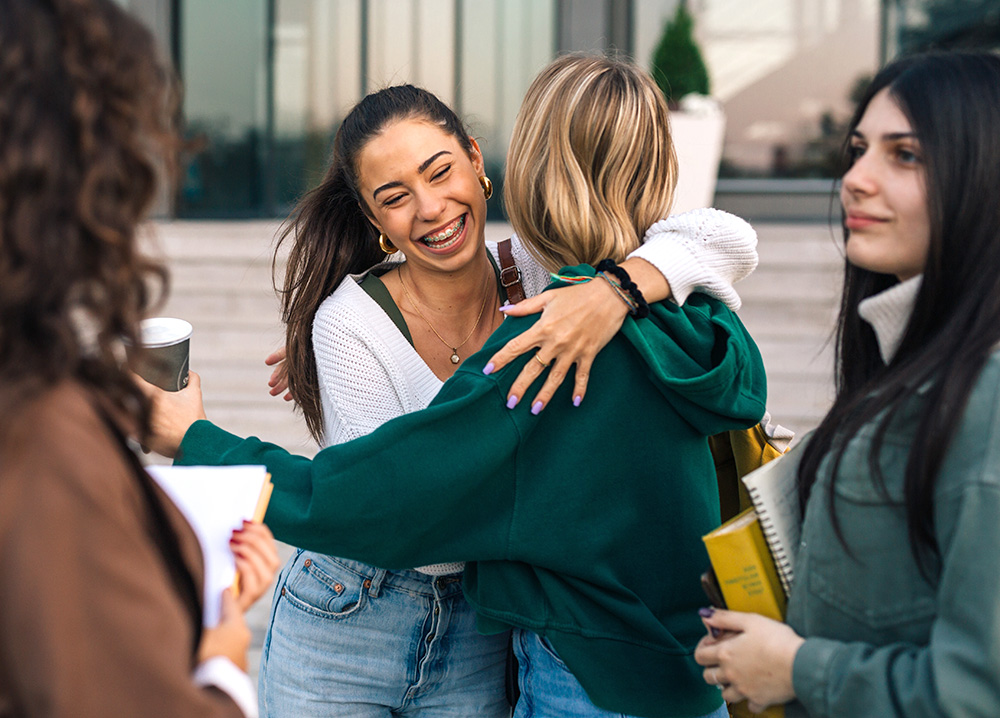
642 306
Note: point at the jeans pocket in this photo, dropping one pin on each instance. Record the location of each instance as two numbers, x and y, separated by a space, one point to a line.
324 586
546 646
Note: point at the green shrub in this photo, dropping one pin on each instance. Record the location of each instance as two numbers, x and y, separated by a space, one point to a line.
678 67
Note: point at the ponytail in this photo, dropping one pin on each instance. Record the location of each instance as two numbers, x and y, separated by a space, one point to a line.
331 238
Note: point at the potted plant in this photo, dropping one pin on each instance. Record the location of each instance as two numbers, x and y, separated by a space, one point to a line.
697 122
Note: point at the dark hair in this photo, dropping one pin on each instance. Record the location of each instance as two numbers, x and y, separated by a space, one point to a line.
952 101
86 122
331 234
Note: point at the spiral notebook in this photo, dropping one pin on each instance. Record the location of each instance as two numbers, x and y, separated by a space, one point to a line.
775 497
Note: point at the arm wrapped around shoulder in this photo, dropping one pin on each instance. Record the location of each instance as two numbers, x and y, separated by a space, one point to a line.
704 250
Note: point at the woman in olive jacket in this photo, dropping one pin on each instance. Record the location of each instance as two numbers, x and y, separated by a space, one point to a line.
894 609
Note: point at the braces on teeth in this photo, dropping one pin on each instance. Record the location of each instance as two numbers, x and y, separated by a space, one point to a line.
448 233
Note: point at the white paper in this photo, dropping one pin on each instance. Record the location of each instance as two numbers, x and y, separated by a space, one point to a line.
773 489
215 500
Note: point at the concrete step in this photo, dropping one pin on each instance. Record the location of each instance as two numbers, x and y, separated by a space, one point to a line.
222 284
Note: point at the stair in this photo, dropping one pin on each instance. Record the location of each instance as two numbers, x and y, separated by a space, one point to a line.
221 283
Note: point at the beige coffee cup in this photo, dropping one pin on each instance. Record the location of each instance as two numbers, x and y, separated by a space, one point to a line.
166 355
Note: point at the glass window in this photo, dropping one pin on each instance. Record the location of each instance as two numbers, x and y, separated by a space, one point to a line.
502 46
268 81
916 25
785 72
222 50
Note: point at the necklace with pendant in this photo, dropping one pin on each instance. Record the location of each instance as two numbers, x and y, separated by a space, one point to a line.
455 358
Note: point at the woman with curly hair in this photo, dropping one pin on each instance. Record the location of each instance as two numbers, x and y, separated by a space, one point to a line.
100 576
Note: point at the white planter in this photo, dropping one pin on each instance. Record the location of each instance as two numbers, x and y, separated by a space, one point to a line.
698 129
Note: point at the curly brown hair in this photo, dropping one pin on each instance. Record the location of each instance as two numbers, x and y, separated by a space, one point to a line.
87 125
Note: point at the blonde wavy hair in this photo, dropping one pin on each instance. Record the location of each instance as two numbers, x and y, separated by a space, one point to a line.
591 164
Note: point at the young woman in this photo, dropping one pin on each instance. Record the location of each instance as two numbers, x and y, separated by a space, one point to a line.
100 576
585 536
370 346
894 607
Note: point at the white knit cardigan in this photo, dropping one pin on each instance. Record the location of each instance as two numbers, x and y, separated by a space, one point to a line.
369 373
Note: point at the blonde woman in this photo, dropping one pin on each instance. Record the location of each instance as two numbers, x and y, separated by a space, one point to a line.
580 532
369 343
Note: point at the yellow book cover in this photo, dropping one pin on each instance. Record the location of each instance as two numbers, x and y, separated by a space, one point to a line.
747 579
741 710
744 567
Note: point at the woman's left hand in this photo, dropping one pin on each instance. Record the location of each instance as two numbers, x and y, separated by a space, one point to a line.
257 561
752 659
576 323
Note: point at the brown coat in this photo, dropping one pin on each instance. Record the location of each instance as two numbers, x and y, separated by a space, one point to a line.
91 622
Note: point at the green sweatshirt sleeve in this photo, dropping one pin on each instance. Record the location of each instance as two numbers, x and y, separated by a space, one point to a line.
704 362
701 357
448 496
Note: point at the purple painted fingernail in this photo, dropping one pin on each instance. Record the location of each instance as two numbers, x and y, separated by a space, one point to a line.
577 400
506 306
512 401
537 407
706 612
488 369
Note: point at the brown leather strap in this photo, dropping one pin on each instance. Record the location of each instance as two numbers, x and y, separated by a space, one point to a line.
510 275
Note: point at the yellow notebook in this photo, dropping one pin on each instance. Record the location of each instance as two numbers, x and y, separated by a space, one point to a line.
748 580
744 567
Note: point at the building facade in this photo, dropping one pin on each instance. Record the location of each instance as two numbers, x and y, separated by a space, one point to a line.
267 81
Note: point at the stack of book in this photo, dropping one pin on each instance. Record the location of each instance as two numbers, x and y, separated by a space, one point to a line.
753 554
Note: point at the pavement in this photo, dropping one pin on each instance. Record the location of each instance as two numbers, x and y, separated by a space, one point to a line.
221 283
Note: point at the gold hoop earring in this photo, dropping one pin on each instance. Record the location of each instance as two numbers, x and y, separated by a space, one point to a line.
487 186
386 245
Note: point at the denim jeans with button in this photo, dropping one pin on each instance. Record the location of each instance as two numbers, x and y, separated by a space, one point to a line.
548 689
349 639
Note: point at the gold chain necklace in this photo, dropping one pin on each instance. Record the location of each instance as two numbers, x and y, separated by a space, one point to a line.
455 358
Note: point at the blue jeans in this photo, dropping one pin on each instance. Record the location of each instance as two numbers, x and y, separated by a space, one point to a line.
549 690
349 639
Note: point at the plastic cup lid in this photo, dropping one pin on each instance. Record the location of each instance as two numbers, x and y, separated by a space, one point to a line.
164 331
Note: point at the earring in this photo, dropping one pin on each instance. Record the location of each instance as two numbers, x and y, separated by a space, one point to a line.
386 245
487 186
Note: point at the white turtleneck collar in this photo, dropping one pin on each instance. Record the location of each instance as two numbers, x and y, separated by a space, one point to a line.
889 312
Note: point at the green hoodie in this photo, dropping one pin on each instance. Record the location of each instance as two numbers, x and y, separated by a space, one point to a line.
582 524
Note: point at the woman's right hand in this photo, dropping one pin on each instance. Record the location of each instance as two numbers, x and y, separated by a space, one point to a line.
751 657
279 377
172 414
230 638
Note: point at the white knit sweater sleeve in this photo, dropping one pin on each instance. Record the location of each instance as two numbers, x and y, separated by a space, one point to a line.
704 250
368 373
